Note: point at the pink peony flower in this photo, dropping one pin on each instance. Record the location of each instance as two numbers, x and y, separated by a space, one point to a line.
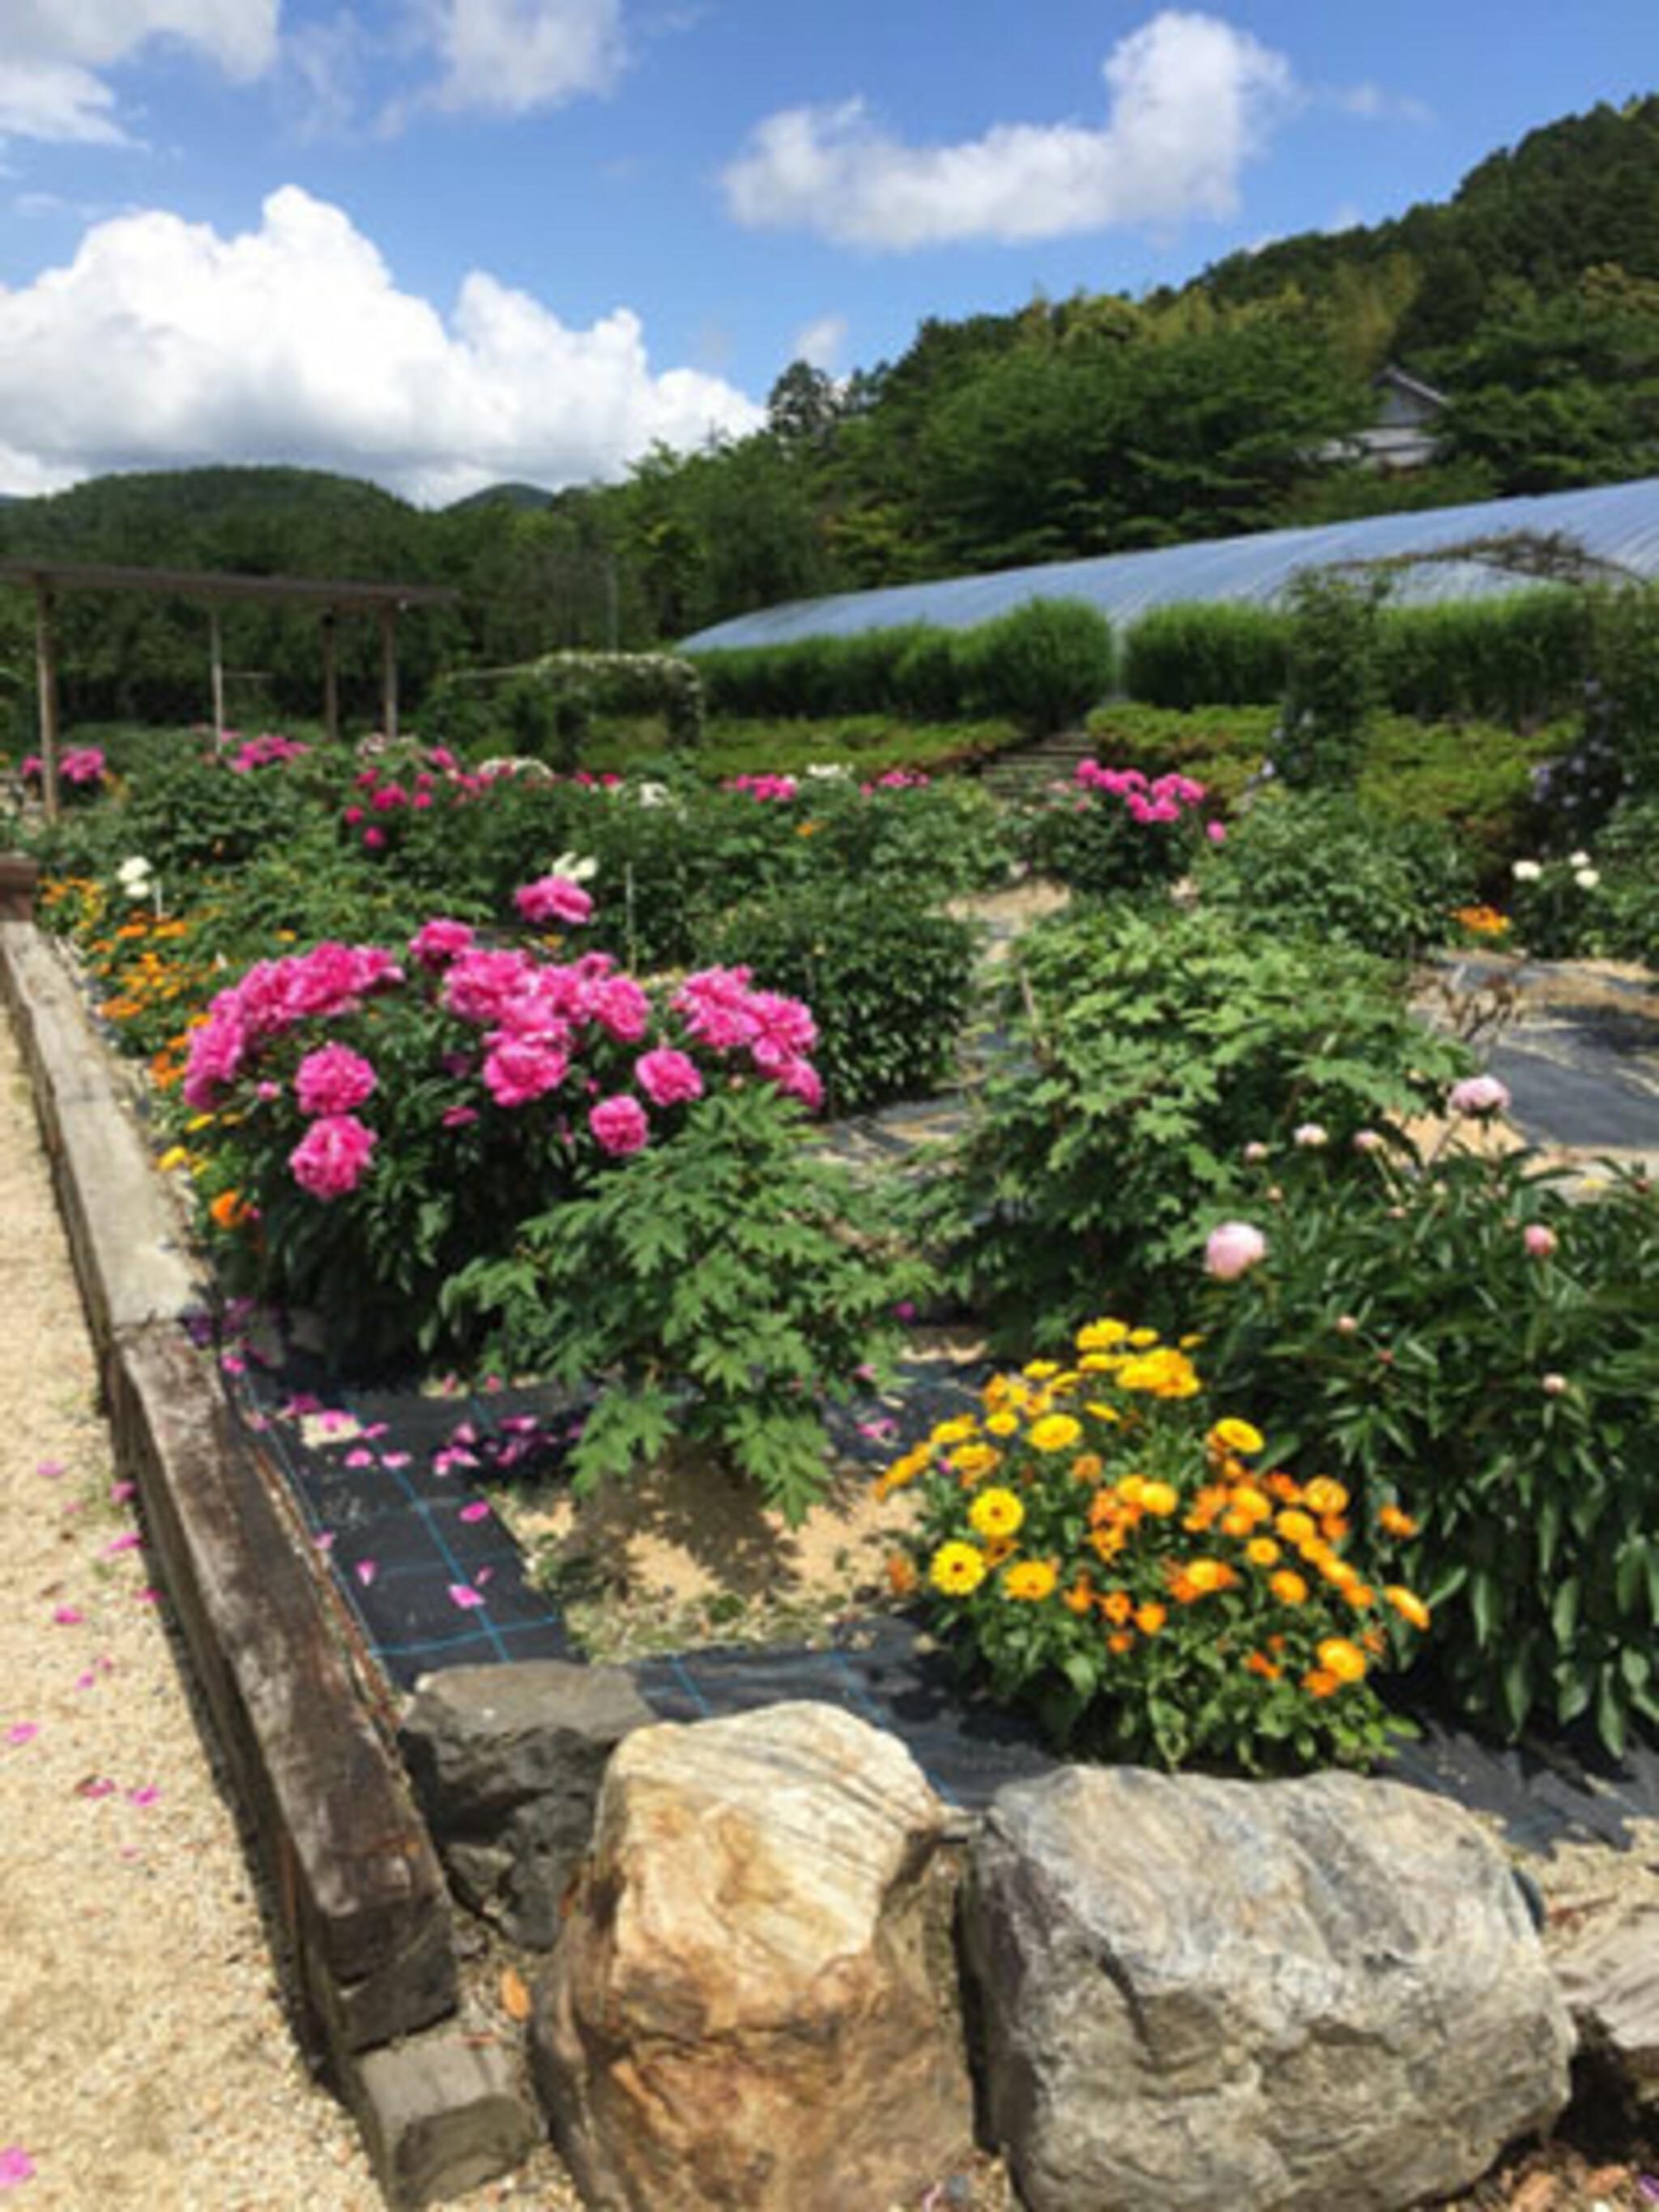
619 1124
799 1078
1538 1241
439 941
1478 1095
667 1078
333 1080
553 898
1216 832
517 1070
1232 1249
330 1158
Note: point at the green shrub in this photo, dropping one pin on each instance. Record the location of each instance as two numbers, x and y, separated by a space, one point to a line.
722 1287
1325 865
543 709
887 981
1147 1050
1193 655
1627 852
1558 909
1518 660
1478 1336
1095 1546
1223 747
1331 680
1044 664
817 676
1111 832
1624 709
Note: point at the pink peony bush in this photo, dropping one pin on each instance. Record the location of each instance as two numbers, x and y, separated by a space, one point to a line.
384 1120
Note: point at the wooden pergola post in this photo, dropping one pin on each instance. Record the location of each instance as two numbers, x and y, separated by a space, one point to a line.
330 680
46 677
216 646
389 669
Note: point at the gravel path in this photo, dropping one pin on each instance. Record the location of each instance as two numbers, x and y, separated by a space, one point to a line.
145 2059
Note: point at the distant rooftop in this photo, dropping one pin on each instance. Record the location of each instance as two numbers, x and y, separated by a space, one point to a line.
1615 526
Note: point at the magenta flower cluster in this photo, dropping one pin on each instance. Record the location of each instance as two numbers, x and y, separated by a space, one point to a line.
540 1027
267 750
769 786
80 764
1166 799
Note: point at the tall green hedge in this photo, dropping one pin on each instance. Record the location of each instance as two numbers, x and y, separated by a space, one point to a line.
1224 654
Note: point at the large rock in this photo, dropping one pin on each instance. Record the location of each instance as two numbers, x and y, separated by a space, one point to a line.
507 1762
1603 1944
754 2005
1274 1997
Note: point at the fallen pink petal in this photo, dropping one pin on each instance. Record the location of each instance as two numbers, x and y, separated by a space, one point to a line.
16 2166
365 1571
95 1785
148 1595
323 1540
49 1466
464 1595
120 1492
394 1459
67 1616
478 1510
128 1540
23 1731
358 1457
145 1796
85 1682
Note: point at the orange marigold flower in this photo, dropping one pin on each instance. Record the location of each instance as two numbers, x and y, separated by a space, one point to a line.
1080 1597
1283 1486
1288 1587
1151 1617
1236 1436
1029 1581
1159 1498
1259 1663
1393 1522
1333 1527
1208 1575
1408 1605
1345 1660
1322 1495
1106 1543
901 1575
1262 1551
1088 1466
1360 1596
1294 1526
1319 1684
1234 1523
227 1209
1117 1605
1120 1640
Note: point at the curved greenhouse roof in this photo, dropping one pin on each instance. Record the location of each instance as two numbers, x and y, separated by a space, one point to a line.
1616 526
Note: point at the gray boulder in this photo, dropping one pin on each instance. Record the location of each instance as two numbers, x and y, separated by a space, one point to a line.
507 1762
753 2005
1277 1996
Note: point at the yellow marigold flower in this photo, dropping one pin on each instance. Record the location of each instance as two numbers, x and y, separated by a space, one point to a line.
1162 1374
1159 1498
1142 1337
1100 1363
902 1470
1101 1335
1101 1412
1208 1575
1054 1432
1039 1371
955 1431
996 1390
1151 1617
1029 1581
174 1157
1345 1660
972 1461
1262 1551
1294 1526
957 1569
1235 1436
199 1121
1288 1587
1324 1496
996 1513
1408 1605
1002 1425
1393 1522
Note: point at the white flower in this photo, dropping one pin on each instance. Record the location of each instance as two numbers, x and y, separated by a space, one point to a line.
1527 872
1578 859
134 871
1587 878
829 771
574 868
652 795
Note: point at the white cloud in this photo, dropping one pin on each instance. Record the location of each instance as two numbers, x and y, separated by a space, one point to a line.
509 56
163 344
1191 99
1377 105
52 52
820 342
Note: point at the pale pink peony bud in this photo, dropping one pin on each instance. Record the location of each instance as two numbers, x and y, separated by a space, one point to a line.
1231 1251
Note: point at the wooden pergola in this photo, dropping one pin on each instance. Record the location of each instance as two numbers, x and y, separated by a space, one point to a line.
331 598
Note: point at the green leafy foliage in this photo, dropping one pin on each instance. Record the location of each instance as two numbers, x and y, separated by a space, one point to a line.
1150 1048
1044 664
721 1289
887 979
1520 658
1332 679
1402 1330
1198 655
1324 865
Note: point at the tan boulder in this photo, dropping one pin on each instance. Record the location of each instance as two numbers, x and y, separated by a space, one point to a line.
753 2004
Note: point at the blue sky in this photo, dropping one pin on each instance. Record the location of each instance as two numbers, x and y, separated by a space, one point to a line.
443 242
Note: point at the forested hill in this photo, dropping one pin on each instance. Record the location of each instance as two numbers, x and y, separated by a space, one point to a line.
1087 425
